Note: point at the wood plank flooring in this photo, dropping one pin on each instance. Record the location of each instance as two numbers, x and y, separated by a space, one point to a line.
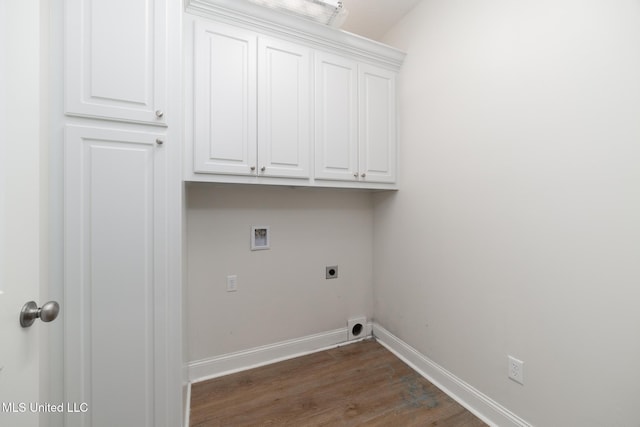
361 384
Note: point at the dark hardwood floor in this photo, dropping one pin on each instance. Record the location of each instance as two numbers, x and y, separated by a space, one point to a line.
361 384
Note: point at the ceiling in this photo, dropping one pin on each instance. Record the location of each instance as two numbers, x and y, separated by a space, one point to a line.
373 18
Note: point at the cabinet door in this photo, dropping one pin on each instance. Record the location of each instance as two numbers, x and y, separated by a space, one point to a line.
283 109
115 59
336 117
115 277
377 112
225 100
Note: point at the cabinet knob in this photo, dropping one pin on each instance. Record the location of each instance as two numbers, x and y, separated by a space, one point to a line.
262 169
159 114
363 175
355 175
159 141
253 168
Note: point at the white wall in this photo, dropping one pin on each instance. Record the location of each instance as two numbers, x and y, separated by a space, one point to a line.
517 226
282 292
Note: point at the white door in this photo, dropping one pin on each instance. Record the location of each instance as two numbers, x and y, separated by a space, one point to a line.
23 229
284 97
377 121
225 100
336 112
116 59
116 277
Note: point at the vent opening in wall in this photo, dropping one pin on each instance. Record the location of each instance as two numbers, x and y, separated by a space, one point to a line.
356 328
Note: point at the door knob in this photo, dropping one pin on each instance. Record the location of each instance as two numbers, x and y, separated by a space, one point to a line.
30 312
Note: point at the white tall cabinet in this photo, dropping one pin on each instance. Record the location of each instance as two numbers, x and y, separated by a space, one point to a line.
122 212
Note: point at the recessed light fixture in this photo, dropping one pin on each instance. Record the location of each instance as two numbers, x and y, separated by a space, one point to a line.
326 12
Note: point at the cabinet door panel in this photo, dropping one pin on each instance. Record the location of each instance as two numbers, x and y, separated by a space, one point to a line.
336 117
378 145
284 109
115 276
116 59
225 100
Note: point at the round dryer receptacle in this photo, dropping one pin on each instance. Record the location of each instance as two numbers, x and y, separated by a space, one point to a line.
357 329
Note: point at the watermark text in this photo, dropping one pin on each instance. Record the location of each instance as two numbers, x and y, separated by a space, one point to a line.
39 407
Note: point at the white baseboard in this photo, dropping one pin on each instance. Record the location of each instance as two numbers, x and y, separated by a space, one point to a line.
476 402
201 370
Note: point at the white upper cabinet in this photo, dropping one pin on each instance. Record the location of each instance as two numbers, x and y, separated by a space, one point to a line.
279 101
116 59
377 124
355 121
225 98
283 109
251 104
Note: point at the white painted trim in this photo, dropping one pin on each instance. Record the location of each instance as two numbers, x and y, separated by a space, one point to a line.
175 210
485 408
191 176
296 29
205 369
187 409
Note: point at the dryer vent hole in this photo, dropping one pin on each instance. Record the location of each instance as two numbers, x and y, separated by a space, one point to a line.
357 329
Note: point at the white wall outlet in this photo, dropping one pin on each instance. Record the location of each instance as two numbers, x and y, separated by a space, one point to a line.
331 272
232 283
516 370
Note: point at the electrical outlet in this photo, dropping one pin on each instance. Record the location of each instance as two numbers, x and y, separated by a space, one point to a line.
232 283
516 370
331 272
